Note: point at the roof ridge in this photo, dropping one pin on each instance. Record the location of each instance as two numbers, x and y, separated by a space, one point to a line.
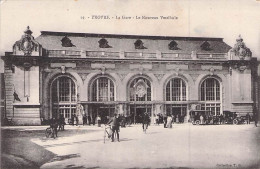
102 35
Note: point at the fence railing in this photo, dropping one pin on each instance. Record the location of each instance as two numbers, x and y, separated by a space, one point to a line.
137 55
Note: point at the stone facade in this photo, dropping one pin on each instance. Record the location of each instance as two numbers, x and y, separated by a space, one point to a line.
49 76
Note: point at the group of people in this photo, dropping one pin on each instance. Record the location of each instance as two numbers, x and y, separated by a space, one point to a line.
116 122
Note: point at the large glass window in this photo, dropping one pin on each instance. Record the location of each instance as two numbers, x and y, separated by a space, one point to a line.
210 92
176 90
64 97
140 90
103 89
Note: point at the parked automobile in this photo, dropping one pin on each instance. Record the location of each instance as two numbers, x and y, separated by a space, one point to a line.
233 118
207 115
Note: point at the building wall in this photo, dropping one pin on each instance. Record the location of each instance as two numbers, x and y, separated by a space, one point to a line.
35 63
122 74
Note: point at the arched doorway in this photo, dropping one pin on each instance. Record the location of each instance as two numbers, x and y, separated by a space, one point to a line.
176 95
102 96
140 96
64 97
210 93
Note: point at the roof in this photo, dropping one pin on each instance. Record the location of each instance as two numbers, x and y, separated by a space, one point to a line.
89 42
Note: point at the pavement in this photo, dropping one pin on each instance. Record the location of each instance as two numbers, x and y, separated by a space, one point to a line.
183 146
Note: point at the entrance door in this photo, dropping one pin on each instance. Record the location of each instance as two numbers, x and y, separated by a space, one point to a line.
137 112
104 111
178 111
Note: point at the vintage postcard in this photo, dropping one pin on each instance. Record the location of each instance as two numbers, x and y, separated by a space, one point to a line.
130 84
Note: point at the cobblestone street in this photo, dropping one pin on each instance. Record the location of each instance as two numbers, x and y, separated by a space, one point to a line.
184 145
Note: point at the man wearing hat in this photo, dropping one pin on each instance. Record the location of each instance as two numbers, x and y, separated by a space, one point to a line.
115 126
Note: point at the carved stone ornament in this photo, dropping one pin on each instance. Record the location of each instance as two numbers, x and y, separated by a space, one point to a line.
27 65
240 49
140 88
159 76
26 44
103 70
141 69
122 76
241 67
211 71
63 69
83 76
194 76
193 107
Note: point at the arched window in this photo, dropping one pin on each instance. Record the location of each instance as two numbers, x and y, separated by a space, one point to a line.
64 97
140 90
103 89
210 92
176 90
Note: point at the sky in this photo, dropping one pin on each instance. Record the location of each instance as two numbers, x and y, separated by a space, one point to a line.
201 18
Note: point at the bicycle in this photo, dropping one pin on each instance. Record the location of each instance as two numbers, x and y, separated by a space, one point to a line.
49 132
107 131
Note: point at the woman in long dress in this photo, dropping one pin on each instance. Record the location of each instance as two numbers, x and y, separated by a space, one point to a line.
169 122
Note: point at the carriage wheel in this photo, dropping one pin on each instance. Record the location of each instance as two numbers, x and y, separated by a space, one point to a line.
197 122
235 121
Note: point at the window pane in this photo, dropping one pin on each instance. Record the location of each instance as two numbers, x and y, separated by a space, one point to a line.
210 90
63 96
176 90
103 90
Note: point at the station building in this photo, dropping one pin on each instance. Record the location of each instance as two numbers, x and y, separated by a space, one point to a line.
58 73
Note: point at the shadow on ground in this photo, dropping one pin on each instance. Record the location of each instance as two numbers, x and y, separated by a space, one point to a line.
19 152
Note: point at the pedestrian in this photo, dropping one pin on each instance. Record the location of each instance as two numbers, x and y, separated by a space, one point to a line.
248 118
72 119
157 119
177 118
93 120
255 119
99 121
164 121
114 122
84 119
61 122
145 121
221 119
77 120
169 121
89 120
54 126
201 119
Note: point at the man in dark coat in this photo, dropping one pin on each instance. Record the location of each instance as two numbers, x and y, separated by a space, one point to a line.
114 122
146 120
54 126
